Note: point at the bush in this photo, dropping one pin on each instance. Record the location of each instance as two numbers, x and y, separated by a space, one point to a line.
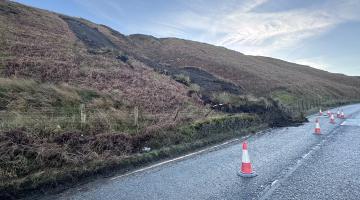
220 125
181 78
194 87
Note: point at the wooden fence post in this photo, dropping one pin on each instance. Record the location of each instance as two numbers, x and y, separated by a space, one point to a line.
136 116
82 114
176 113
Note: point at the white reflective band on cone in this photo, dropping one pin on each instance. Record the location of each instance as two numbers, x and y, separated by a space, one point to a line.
245 157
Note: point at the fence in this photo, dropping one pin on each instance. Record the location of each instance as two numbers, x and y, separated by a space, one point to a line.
131 120
307 106
81 117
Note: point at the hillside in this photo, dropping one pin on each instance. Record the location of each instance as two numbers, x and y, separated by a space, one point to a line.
78 98
257 75
58 48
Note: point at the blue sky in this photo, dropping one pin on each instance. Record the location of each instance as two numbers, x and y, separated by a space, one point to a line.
320 33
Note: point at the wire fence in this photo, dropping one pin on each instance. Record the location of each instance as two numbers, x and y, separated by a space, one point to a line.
307 106
80 116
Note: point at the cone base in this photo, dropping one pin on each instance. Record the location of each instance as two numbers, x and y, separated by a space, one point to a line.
252 174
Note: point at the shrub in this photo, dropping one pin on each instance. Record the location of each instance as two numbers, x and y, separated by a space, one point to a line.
232 99
181 78
194 88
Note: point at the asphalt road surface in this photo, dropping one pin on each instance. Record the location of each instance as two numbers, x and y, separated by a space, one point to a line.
290 163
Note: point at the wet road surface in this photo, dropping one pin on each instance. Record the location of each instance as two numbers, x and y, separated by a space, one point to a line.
291 163
333 172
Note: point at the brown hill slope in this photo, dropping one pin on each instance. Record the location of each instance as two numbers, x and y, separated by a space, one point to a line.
58 48
257 75
77 98
38 44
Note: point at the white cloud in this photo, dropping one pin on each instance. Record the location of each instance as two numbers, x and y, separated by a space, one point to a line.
235 25
262 33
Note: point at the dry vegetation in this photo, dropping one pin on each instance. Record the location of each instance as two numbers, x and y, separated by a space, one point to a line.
258 75
41 132
133 92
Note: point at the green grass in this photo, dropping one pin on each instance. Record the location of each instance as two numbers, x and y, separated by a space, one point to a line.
34 106
284 97
3 44
240 100
181 78
194 88
88 95
302 105
218 126
68 174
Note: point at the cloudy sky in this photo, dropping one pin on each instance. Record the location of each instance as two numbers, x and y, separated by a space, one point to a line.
321 33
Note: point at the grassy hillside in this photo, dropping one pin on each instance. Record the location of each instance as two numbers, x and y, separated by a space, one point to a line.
78 98
44 143
253 74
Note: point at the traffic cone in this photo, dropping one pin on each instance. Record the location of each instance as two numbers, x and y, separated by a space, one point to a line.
317 127
320 112
328 113
246 169
332 119
338 113
342 115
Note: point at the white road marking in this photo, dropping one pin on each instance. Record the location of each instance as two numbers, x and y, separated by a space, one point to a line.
304 156
179 158
268 191
274 182
351 122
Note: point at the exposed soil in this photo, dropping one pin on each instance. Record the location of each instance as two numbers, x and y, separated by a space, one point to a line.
208 83
91 36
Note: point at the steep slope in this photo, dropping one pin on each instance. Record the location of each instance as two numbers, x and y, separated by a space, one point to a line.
40 45
257 75
82 46
78 98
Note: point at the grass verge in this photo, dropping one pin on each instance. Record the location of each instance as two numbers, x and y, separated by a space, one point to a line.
195 135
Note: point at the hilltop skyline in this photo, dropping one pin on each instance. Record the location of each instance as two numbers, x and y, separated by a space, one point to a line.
321 34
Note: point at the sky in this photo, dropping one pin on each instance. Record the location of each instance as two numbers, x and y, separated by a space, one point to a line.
324 34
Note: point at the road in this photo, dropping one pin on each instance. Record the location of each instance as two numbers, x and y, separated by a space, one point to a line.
291 163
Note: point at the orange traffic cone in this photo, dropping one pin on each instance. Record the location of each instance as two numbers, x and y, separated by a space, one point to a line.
320 112
328 113
317 127
332 119
246 169
342 115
